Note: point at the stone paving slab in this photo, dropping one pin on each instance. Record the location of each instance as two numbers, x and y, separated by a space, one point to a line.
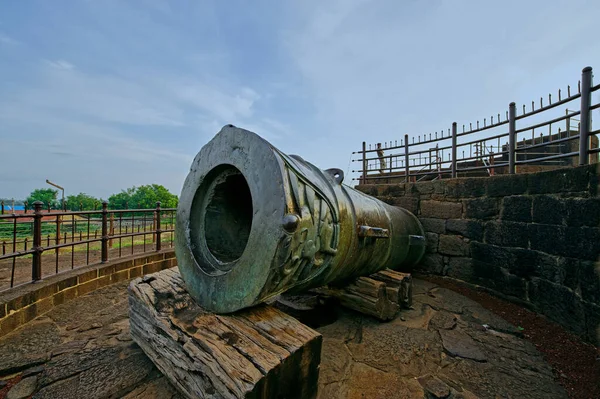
445 346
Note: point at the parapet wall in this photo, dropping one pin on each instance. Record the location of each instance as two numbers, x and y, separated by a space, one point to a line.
24 303
532 237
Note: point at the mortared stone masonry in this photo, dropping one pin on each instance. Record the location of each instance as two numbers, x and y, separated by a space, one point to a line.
534 238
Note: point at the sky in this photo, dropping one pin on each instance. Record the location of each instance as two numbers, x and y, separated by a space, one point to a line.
98 96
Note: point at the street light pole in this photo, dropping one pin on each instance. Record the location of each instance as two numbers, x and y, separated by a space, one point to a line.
58 217
60 188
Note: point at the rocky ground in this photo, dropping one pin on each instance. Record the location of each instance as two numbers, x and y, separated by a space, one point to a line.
447 346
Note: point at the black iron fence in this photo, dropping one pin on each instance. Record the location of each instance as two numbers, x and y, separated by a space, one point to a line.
39 243
504 144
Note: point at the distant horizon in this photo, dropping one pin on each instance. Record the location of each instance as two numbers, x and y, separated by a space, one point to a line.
102 96
24 198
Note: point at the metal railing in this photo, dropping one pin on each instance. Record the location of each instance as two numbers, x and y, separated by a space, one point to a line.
71 239
497 147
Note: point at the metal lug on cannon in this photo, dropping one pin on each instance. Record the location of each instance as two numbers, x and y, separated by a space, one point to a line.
375 232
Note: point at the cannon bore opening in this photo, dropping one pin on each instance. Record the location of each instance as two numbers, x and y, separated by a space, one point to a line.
226 212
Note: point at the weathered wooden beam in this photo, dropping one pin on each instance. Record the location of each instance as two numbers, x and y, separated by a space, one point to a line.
259 352
366 296
380 295
397 281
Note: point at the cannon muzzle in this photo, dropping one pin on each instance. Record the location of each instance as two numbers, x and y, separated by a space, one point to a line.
253 222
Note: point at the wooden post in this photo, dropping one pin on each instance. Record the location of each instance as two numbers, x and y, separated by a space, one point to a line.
259 352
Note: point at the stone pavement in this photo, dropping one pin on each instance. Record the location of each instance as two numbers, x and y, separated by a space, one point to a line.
447 346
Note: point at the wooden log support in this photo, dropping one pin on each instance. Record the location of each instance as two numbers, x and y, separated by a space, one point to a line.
259 352
397 282
365 295
380 295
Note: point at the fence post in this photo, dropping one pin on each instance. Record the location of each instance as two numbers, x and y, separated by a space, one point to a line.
364 163
58 224
406 167
111 229
36 264
512 154
585 123
454 134
158 244
2 207
104 240
154 219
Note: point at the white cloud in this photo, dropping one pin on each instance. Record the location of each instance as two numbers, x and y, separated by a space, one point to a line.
226 105
60 64
69 118
103 98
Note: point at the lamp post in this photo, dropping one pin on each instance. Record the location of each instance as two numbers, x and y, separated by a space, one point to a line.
58 217
60 188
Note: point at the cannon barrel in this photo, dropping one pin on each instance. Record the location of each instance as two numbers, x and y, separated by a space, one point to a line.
253 222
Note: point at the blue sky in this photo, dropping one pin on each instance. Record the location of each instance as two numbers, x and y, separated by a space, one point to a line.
99 96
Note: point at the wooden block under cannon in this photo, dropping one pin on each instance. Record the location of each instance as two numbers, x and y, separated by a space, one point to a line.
380 295
259 352
399 285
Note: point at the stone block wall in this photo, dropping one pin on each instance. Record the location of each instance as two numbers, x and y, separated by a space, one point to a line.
532 237
23 304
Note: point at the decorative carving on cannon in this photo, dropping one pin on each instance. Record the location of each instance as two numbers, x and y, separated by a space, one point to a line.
253 222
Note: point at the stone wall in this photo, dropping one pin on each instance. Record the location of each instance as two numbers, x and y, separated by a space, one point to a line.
532 237
24 303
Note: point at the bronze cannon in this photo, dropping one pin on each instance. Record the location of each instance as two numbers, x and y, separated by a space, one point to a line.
253 222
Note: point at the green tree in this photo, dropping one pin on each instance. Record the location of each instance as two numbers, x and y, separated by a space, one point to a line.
143 197
121 200
46 195
82 201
